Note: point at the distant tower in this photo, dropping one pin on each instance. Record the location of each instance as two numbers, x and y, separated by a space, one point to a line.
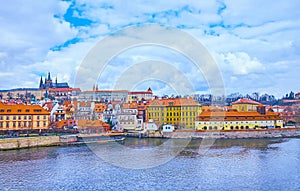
41 83
49 78
56 81
48 82
96 87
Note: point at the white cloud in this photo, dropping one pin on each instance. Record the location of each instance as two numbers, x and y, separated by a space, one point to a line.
241 64
249 38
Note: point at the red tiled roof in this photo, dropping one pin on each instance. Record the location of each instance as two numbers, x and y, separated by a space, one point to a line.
106 91
245 101
139 92
22 109
174 102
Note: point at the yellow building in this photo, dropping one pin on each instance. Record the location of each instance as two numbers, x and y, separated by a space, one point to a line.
235 120
244 104
23 117
176 111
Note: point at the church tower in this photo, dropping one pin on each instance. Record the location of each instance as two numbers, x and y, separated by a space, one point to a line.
41 83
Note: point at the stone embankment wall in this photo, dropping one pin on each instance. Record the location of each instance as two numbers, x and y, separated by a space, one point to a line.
235 134
27 142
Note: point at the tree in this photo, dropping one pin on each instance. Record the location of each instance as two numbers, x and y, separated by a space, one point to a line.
292 95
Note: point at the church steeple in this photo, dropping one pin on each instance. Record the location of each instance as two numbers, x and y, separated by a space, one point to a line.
49 78
41 83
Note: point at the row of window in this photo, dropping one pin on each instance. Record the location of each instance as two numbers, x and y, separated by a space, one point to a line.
22 124
234 127
20 110
231 127
173 114
22 117
237 122
172 108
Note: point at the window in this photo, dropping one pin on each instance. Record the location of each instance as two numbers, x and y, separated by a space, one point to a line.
9 110
14 117
19 110
19 117
7 117
1 124
27 110
1 118
14 124
25 117
29 117
37 124
24 124
37 117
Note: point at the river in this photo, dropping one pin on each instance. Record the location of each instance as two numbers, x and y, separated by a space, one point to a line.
242 164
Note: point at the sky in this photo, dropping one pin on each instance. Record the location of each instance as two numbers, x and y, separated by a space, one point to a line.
255 43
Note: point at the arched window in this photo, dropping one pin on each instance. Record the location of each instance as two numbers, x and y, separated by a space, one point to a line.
215 128
231 127
236 127
205 128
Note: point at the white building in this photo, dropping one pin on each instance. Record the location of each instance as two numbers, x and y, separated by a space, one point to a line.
168 128
151 125
128 120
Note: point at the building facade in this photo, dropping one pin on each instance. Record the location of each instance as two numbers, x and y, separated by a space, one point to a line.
180 112
128 120
244 104
236 120
23 117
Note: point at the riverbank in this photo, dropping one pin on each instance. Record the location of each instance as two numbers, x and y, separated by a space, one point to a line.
46 141
27 142
63 140
235 134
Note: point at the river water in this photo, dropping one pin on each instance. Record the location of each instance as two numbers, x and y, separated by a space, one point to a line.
244 164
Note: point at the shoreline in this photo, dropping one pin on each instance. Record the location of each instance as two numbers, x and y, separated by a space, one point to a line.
78 139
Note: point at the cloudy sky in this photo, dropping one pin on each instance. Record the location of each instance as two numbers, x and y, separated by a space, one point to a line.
255 43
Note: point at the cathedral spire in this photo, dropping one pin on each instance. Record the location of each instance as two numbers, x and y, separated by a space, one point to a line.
41 83
49 78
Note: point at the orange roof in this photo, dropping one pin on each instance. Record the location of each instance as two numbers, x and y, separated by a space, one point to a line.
21 109
245 101
133 105
139 92
111 91
174 102
92 123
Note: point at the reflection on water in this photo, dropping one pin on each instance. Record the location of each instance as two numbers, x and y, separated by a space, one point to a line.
241 164
240 146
